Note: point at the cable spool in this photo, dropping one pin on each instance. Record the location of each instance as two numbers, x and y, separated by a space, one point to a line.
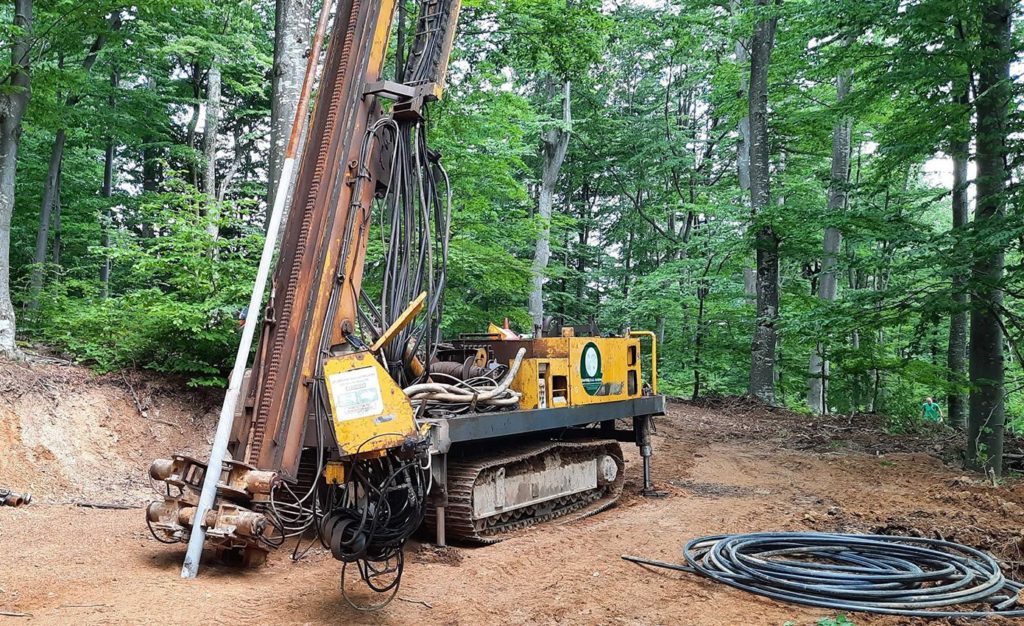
907 576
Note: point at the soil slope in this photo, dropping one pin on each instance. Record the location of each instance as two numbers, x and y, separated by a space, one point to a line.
67 435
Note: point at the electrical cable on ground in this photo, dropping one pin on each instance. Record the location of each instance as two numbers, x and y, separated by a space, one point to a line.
908 576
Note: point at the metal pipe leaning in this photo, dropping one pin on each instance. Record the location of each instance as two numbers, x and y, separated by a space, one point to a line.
218 451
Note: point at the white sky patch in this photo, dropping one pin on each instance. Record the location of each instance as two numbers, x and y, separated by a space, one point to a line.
938 172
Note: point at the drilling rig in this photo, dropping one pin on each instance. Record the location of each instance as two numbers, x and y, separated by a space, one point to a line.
358 424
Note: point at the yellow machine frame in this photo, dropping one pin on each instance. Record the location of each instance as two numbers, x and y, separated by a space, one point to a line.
369 411
578 371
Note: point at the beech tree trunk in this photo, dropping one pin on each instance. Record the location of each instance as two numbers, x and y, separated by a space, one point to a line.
45 214
107 192
213 82
818 372
152 170
50 190
555 143
987 411
400 53
55 255
743 147
765 341
291 41
13 101
956 358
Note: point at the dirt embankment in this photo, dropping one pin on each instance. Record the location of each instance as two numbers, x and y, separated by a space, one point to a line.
67 434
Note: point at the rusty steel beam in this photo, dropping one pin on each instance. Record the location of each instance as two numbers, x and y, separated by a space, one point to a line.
311 247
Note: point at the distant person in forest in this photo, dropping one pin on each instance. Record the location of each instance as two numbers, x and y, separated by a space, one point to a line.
931 411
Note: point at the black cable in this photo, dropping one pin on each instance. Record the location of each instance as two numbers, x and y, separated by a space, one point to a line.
908 576
152 531
369 518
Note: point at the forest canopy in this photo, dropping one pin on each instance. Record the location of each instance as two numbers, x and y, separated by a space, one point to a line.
817 203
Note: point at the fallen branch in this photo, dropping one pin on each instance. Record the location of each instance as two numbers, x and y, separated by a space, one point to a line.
13 614
106 505
143 413
135 396
426 604
166 423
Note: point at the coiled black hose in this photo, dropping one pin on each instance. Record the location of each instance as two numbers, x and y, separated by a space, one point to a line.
909 576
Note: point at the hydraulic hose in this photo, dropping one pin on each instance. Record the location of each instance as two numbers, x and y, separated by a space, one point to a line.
493 393
908 576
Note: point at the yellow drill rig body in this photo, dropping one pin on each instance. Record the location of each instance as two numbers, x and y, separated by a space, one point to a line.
357 423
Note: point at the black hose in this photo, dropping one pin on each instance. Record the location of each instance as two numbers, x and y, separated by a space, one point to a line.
370 518
909 576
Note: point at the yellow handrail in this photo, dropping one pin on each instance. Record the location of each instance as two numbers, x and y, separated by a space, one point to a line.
654 355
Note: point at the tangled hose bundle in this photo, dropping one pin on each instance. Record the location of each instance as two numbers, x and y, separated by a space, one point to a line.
372 515
472 395
910 576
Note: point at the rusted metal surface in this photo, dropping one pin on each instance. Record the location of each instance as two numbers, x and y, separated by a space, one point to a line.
10 498
325 239
232 524
311 249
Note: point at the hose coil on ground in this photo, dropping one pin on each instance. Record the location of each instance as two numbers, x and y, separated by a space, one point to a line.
909 576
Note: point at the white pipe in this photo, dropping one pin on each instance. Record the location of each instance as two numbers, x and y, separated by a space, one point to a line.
227 412
190 567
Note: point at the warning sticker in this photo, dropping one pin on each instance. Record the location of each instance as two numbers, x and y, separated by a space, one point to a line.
356 394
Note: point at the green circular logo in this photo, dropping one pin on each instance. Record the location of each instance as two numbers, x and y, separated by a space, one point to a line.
590 369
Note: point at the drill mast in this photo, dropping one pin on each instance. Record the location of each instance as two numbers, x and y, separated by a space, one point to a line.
314 307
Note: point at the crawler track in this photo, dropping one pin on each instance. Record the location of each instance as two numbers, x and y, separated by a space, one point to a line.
460 524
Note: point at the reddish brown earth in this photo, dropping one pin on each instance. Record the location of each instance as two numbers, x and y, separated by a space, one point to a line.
727 467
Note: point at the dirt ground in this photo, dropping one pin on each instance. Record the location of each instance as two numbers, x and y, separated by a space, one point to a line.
726 466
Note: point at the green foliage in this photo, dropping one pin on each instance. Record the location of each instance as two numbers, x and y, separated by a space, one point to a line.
651 231
176 304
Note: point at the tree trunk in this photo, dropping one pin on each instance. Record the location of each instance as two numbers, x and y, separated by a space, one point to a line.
107 192
400 54
698 339
291 41
987 414
229 175
555 143
743 148
55 256
45 214
817 381
764 344
152 171
210 149
743 141
627 264
956 357
50 187
13 101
